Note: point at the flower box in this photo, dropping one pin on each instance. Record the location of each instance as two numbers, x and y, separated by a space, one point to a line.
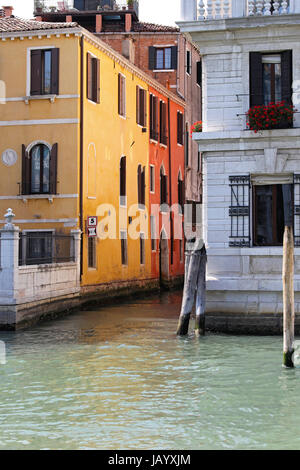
272 116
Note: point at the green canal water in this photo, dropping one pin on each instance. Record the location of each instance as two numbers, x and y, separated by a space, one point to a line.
119 378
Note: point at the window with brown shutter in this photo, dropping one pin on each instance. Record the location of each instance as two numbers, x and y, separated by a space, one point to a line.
141 106
44 72
153 118
121 95
270 77
93 78
179 128
141 185
123 181
163 138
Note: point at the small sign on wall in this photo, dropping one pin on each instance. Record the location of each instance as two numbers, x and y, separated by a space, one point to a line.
92 223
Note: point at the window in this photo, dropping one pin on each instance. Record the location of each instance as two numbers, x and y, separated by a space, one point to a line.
187 143
93 78
270 78
39 169
163 138
199 73
142 248
180 186
239 211
153 232
181 250
141 117
123 181
153 118
180 132
268 213
163 58
152 179
36 248
44 72
92 247
188 62
141 185
163 187
121 95
124 248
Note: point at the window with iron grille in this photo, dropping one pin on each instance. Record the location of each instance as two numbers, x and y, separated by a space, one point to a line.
142 248
124 248
239 211
92 251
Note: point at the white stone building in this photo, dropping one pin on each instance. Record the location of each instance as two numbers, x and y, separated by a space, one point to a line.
250 56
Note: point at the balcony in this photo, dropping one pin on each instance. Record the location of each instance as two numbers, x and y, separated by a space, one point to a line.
222 9
76 6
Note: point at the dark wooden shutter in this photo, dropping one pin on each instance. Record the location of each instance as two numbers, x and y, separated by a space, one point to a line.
286 76
55 71
174 50
123 177
53 169
137 104
139 184
152 58
199 73
89 76
256 79
36 72
143 186
26 171
97 81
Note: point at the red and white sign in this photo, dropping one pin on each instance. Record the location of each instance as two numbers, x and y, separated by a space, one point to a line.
92 232
92 221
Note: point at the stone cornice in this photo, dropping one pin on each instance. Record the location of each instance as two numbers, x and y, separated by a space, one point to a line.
247 140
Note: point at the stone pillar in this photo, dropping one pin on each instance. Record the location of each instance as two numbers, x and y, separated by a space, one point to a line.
9 261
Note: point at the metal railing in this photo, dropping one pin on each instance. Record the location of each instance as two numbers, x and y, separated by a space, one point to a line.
73 6
45 248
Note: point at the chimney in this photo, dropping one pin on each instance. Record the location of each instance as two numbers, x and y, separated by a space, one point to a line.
8 10
128 22
98 23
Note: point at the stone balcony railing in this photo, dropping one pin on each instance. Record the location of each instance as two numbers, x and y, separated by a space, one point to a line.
221 9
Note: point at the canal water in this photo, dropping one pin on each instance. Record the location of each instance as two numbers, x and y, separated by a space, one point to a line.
119 378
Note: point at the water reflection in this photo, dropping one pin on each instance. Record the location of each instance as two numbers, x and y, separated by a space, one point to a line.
119 378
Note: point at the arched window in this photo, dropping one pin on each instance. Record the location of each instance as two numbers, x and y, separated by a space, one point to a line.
39 165
123 181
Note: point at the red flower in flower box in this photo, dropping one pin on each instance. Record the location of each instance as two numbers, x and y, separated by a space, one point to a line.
272 116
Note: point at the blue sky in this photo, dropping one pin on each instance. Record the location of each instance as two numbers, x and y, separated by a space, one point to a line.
156 11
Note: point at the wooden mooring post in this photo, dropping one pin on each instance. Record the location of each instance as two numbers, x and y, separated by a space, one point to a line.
288 297
194 284
288 280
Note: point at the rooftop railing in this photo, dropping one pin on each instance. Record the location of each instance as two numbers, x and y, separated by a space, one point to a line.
73 6
221 9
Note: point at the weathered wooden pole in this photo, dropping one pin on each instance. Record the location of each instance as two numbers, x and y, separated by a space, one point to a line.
288 279
201 295
288 297
192 268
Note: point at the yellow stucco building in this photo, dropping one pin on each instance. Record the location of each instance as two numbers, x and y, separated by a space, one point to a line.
74 136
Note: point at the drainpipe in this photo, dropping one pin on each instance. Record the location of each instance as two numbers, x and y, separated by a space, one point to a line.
81 154
170 181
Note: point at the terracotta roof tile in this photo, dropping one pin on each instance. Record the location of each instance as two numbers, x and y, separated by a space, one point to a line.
151 27
14 24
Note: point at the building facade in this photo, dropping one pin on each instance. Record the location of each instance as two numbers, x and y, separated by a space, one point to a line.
250 57
75 155
161 51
